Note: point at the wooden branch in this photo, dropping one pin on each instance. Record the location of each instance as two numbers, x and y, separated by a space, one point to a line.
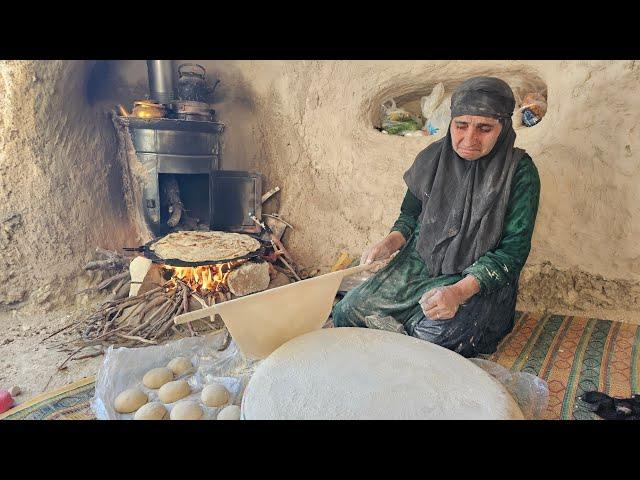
110 280
172 194
269 194
60 330
139 339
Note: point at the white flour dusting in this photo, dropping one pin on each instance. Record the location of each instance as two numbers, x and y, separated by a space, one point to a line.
355 373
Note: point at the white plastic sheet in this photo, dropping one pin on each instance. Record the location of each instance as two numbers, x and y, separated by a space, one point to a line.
531 393
124 368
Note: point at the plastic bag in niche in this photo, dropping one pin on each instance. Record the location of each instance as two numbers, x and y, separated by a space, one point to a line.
397 121
534 107
436 110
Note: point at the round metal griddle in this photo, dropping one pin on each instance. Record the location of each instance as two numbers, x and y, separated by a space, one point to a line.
176 262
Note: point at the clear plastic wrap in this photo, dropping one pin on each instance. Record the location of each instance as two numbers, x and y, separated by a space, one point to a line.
530 392
124 368
352 281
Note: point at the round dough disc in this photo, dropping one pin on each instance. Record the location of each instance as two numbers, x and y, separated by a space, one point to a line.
186 410
360 373
214 395
203 246
173 391
180 365
157 377
151 411
130 400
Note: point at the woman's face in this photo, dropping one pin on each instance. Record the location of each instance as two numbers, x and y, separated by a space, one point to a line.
473 136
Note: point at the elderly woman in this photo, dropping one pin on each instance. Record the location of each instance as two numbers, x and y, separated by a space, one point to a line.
464 233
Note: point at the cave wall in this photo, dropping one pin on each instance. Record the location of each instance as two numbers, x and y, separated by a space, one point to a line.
308 127
60 189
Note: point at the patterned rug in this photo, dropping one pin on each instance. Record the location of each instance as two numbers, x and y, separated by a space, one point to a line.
70 402
572 354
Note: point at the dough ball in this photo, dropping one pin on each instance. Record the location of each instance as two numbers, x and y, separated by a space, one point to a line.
151 411
186 410
130 400
180 366
214 395
172 391
231 412
157 377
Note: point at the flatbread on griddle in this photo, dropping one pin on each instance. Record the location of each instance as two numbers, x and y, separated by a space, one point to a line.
202 246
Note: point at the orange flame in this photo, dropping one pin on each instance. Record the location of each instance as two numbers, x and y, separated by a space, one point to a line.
206 278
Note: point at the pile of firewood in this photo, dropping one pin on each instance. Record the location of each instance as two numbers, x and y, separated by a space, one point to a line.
147 318
144 319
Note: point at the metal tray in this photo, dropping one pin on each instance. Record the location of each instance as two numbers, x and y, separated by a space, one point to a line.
175 262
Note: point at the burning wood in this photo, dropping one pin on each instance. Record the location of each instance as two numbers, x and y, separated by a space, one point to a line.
207 279
146 317
172 194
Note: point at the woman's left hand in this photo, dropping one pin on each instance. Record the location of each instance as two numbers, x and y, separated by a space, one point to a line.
441 303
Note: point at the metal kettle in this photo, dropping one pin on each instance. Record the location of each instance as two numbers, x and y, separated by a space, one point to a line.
144 109
192 84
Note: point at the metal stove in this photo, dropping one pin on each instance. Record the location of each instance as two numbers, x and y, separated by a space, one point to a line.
185 151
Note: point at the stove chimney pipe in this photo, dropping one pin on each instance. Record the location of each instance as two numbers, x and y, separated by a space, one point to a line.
161 76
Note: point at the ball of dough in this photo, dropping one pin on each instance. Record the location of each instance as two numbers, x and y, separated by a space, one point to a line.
186 410
173 391
232 412
130 400
180 366
157 377
151 411
214 395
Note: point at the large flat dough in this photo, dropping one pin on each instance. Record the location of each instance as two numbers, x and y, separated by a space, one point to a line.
358 373
198 246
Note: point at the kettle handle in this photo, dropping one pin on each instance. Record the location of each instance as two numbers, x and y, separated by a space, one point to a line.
213 89
192 65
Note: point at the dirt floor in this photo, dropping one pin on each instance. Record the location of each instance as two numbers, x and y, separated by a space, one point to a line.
295 123
26 361
29 362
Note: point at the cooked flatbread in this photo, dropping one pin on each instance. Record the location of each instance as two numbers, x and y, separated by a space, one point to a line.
199 246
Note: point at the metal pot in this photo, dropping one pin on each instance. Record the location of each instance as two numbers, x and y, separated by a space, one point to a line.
148 109
192 84
189 110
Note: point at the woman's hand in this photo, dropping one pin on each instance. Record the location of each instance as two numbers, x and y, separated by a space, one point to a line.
442 303
383 249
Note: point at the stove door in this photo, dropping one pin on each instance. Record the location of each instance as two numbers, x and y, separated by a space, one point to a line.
233 197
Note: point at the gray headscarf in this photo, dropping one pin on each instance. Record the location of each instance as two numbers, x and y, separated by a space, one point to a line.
464 202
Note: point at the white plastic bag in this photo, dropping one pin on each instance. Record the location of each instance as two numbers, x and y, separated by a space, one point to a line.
436 110
531 393
124 368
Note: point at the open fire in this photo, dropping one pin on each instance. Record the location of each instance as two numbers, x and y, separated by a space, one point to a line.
204 279
142 309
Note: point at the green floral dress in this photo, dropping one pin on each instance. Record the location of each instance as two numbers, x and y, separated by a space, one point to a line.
486 317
